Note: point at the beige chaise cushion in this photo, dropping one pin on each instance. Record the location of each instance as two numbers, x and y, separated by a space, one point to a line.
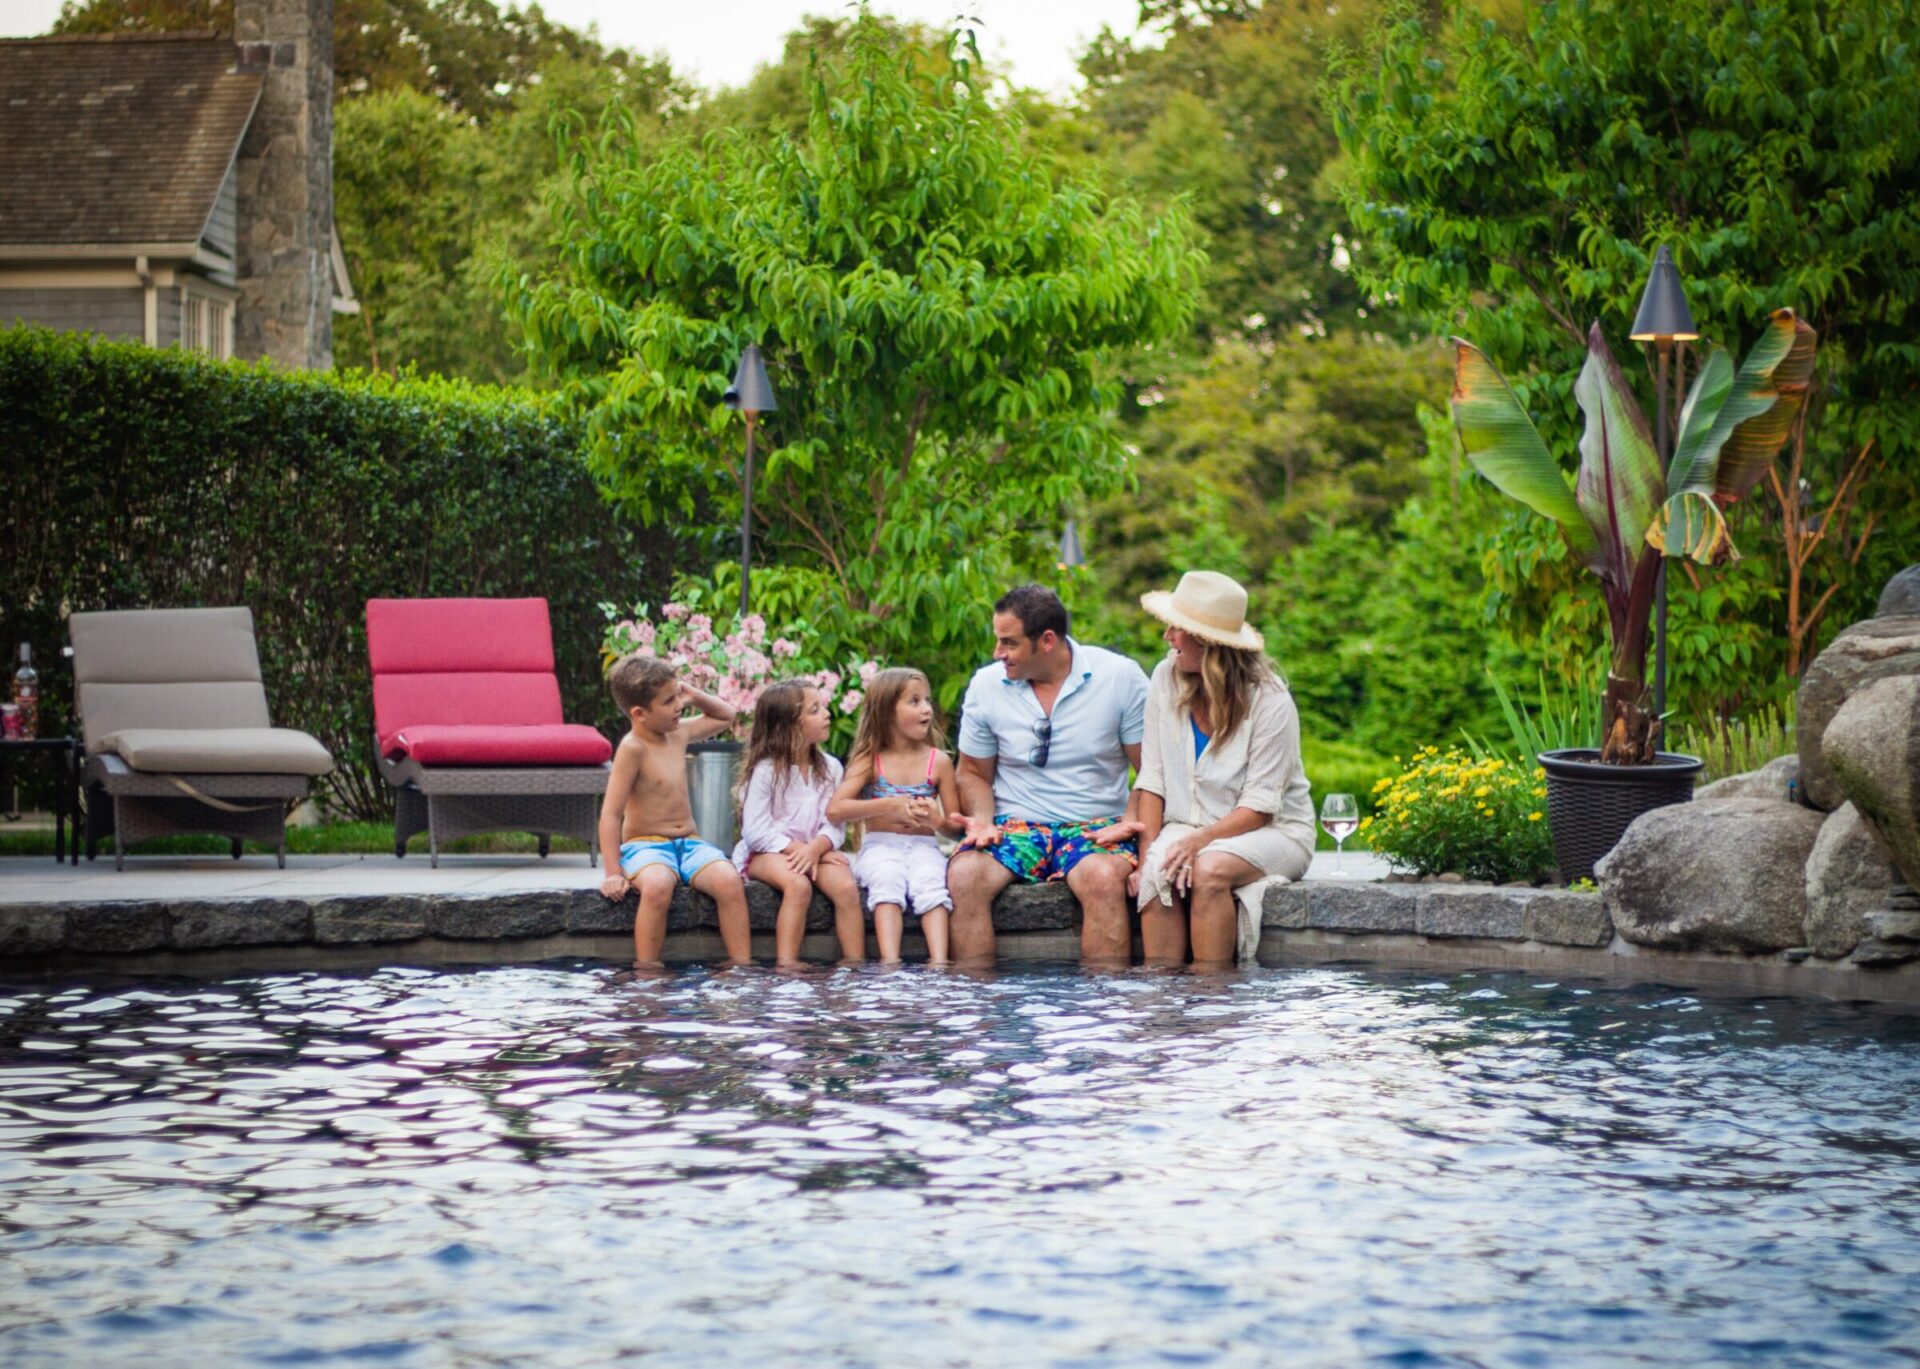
218 751
179 689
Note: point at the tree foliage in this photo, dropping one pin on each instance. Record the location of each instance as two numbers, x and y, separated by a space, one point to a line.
935 303
1510 183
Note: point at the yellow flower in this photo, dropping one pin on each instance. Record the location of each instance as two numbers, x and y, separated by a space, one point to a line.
1382 786
1483 791
1535 816
1366 822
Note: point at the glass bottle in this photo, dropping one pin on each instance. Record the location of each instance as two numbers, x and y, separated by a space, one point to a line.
26 693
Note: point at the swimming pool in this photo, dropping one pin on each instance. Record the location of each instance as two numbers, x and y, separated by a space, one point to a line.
563 1163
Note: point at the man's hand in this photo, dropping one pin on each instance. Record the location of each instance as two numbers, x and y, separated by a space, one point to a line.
1116 832
979 834
615 887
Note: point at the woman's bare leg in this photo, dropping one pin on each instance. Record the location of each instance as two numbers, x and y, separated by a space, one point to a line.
1216 922
1163 932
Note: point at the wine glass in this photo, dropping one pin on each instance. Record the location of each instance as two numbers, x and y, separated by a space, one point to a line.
1340 815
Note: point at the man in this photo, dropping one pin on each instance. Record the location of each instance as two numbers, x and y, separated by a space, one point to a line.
1048 733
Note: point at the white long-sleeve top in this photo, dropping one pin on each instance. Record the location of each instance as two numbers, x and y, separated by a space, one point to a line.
772 819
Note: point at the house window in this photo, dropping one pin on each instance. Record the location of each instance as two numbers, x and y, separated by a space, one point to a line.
206 325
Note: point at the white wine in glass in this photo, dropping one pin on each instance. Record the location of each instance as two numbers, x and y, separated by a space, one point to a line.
1340 816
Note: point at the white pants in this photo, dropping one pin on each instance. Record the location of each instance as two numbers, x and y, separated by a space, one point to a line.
909 871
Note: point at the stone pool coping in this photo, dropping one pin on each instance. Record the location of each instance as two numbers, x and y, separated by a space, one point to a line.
1318 921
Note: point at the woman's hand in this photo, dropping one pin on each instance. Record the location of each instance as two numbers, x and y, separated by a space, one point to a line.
615 887
1116 832
1177 861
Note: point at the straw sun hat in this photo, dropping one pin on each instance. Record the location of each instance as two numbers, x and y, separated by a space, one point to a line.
1210 606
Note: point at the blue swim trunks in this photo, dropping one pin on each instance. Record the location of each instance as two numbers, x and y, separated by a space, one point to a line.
685 856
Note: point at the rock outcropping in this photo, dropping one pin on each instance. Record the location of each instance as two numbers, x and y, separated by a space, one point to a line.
1872 747
1723 875
1876 649
1848 877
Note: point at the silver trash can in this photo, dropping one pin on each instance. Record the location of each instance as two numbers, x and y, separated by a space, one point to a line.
710 773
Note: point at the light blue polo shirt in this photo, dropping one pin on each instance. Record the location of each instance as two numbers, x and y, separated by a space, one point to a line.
1102 707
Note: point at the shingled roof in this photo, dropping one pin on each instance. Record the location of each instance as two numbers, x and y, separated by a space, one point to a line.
117 139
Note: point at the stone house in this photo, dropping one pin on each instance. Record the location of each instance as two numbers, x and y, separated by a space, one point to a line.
176 188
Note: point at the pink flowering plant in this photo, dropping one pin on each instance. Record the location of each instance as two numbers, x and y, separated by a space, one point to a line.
733 662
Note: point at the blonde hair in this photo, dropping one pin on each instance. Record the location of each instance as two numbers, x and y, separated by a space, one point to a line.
1227 680
776 738
882 708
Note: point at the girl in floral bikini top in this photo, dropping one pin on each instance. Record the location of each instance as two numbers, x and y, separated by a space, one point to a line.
901 865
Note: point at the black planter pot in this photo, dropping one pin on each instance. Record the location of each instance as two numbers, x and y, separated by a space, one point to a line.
1589 805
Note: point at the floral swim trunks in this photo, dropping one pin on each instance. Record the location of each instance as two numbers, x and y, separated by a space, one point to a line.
1042 852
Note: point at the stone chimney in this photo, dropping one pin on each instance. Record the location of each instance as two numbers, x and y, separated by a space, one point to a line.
284 180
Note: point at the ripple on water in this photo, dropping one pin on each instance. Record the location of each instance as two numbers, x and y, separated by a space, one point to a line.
566 1163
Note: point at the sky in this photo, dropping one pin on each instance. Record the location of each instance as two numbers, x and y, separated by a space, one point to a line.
720 42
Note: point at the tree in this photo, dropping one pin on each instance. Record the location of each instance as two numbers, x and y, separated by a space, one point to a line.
936 305
1225 110
473 55
1510 183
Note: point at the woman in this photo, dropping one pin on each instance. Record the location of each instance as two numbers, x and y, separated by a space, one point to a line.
1221 801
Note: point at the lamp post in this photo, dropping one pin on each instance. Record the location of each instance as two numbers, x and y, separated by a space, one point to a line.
1663 319
1070 553
751 394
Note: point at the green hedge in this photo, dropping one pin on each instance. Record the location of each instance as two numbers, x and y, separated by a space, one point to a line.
140 478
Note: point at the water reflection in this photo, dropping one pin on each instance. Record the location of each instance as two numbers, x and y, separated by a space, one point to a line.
567 1163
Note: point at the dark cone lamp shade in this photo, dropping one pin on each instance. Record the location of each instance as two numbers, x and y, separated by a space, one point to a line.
1663 305
751 391
1070 553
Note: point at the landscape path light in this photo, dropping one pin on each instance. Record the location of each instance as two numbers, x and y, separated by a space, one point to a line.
751 394
1663 319
1070 553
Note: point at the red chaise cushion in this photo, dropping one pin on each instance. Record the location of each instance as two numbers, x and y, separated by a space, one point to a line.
471 682
552 744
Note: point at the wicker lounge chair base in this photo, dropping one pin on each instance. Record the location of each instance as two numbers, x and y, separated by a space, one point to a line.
561 801
134 806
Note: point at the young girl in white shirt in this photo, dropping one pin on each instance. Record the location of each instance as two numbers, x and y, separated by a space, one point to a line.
786 838
898 781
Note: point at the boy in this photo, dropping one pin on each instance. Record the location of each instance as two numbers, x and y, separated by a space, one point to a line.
647 837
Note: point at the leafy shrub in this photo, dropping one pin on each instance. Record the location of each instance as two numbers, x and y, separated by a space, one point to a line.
1483 817
1733 746
136 478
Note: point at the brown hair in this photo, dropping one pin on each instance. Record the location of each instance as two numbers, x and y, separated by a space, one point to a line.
884 693
636 679
1038 608
776 738
1227 679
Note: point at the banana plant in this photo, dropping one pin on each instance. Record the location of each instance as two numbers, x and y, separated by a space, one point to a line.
1622 514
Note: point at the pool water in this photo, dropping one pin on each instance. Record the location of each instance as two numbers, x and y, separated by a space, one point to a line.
565 1164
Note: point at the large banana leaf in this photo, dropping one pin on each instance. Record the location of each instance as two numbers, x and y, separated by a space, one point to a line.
1731 429
1620 487
1504 446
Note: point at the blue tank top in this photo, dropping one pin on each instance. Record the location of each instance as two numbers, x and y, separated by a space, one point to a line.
880 787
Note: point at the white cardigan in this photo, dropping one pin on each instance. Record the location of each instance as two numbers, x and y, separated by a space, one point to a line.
1258 767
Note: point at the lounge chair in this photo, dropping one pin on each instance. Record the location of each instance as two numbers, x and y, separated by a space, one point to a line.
177 732
468 727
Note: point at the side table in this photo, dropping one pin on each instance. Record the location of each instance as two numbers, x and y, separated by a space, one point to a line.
65 753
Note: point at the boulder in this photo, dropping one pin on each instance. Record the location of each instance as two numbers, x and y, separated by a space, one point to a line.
1720 875
1774 780
1872 746
1865 652
1901 597
1848 876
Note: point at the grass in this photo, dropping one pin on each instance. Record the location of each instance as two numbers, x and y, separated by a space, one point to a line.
338 838
1738 745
